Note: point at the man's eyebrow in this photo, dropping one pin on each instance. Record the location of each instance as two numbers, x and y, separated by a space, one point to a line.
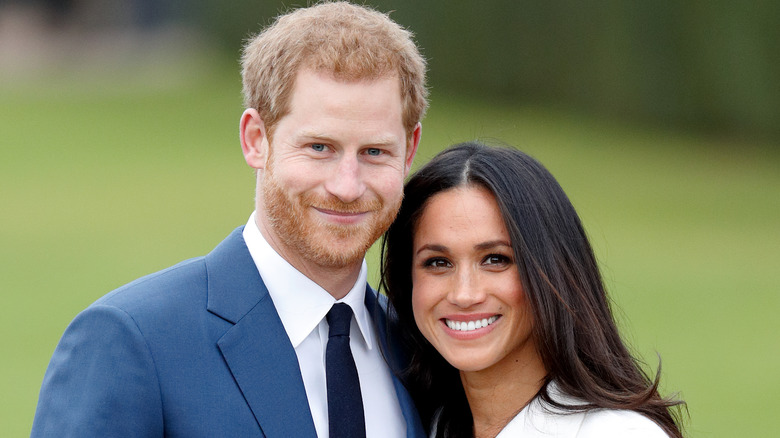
314 135
382 140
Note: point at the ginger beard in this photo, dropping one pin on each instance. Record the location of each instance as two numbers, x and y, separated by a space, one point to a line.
326 244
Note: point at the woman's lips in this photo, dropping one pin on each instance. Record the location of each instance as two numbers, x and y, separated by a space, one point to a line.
467 327
470 325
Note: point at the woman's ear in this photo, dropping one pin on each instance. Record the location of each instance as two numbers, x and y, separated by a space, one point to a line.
254 141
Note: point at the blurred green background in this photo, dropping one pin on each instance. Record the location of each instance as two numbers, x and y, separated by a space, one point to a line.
119 156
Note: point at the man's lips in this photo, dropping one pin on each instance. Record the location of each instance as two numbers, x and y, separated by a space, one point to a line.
340 213
345 217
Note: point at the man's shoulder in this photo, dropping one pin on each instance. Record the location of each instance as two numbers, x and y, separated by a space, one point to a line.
181 285
171 283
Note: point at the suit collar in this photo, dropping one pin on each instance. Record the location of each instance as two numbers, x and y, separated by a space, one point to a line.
235 286
256 348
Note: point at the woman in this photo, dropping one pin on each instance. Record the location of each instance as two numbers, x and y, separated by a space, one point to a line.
503 308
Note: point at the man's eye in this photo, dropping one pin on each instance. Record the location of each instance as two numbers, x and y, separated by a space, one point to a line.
374 152
319 147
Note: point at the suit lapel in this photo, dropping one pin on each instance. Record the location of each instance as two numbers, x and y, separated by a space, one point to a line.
376 308
265 366
257 349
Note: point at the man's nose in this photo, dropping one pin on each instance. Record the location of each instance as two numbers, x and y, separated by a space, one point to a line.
346 182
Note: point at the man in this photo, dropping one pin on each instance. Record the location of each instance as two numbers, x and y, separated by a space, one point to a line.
238 343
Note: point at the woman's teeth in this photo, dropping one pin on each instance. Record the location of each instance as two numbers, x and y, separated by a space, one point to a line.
467 326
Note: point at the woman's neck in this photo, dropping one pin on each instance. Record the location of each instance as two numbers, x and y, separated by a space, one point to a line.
497 394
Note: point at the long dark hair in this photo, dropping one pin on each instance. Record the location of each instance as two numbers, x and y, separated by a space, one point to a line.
574 329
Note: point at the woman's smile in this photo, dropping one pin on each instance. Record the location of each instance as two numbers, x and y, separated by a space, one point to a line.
469 325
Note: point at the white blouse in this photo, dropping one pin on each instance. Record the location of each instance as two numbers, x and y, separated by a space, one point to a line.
538 420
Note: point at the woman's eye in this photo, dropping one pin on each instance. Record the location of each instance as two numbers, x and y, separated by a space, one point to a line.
497 259
319 147
436 263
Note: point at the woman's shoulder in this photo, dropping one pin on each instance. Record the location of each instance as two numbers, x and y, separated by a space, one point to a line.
617 423
539 419
597 423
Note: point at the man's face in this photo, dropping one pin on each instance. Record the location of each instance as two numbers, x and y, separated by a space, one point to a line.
333 180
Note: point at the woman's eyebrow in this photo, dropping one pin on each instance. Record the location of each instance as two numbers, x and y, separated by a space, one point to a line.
492 244
432 247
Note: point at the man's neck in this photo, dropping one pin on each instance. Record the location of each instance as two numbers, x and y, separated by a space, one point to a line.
337 281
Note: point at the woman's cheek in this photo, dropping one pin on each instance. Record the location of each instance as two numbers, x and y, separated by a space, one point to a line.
422 304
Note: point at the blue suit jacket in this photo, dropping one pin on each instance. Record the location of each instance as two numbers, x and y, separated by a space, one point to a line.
195 350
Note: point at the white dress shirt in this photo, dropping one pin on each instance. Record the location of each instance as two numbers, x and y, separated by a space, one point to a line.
302 306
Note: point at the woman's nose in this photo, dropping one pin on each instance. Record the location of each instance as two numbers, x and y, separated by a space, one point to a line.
466 290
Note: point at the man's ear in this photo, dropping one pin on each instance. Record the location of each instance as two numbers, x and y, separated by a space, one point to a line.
411 148
254 139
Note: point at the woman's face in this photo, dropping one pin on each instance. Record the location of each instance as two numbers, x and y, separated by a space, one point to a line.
467 296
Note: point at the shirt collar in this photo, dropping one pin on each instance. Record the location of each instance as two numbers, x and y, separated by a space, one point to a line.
300 302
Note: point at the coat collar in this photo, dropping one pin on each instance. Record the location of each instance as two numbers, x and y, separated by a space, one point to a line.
256 349
234 284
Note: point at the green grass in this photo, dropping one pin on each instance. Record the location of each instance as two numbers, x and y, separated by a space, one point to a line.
102 181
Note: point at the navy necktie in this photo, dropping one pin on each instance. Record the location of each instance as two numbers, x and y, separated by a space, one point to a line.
345 404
